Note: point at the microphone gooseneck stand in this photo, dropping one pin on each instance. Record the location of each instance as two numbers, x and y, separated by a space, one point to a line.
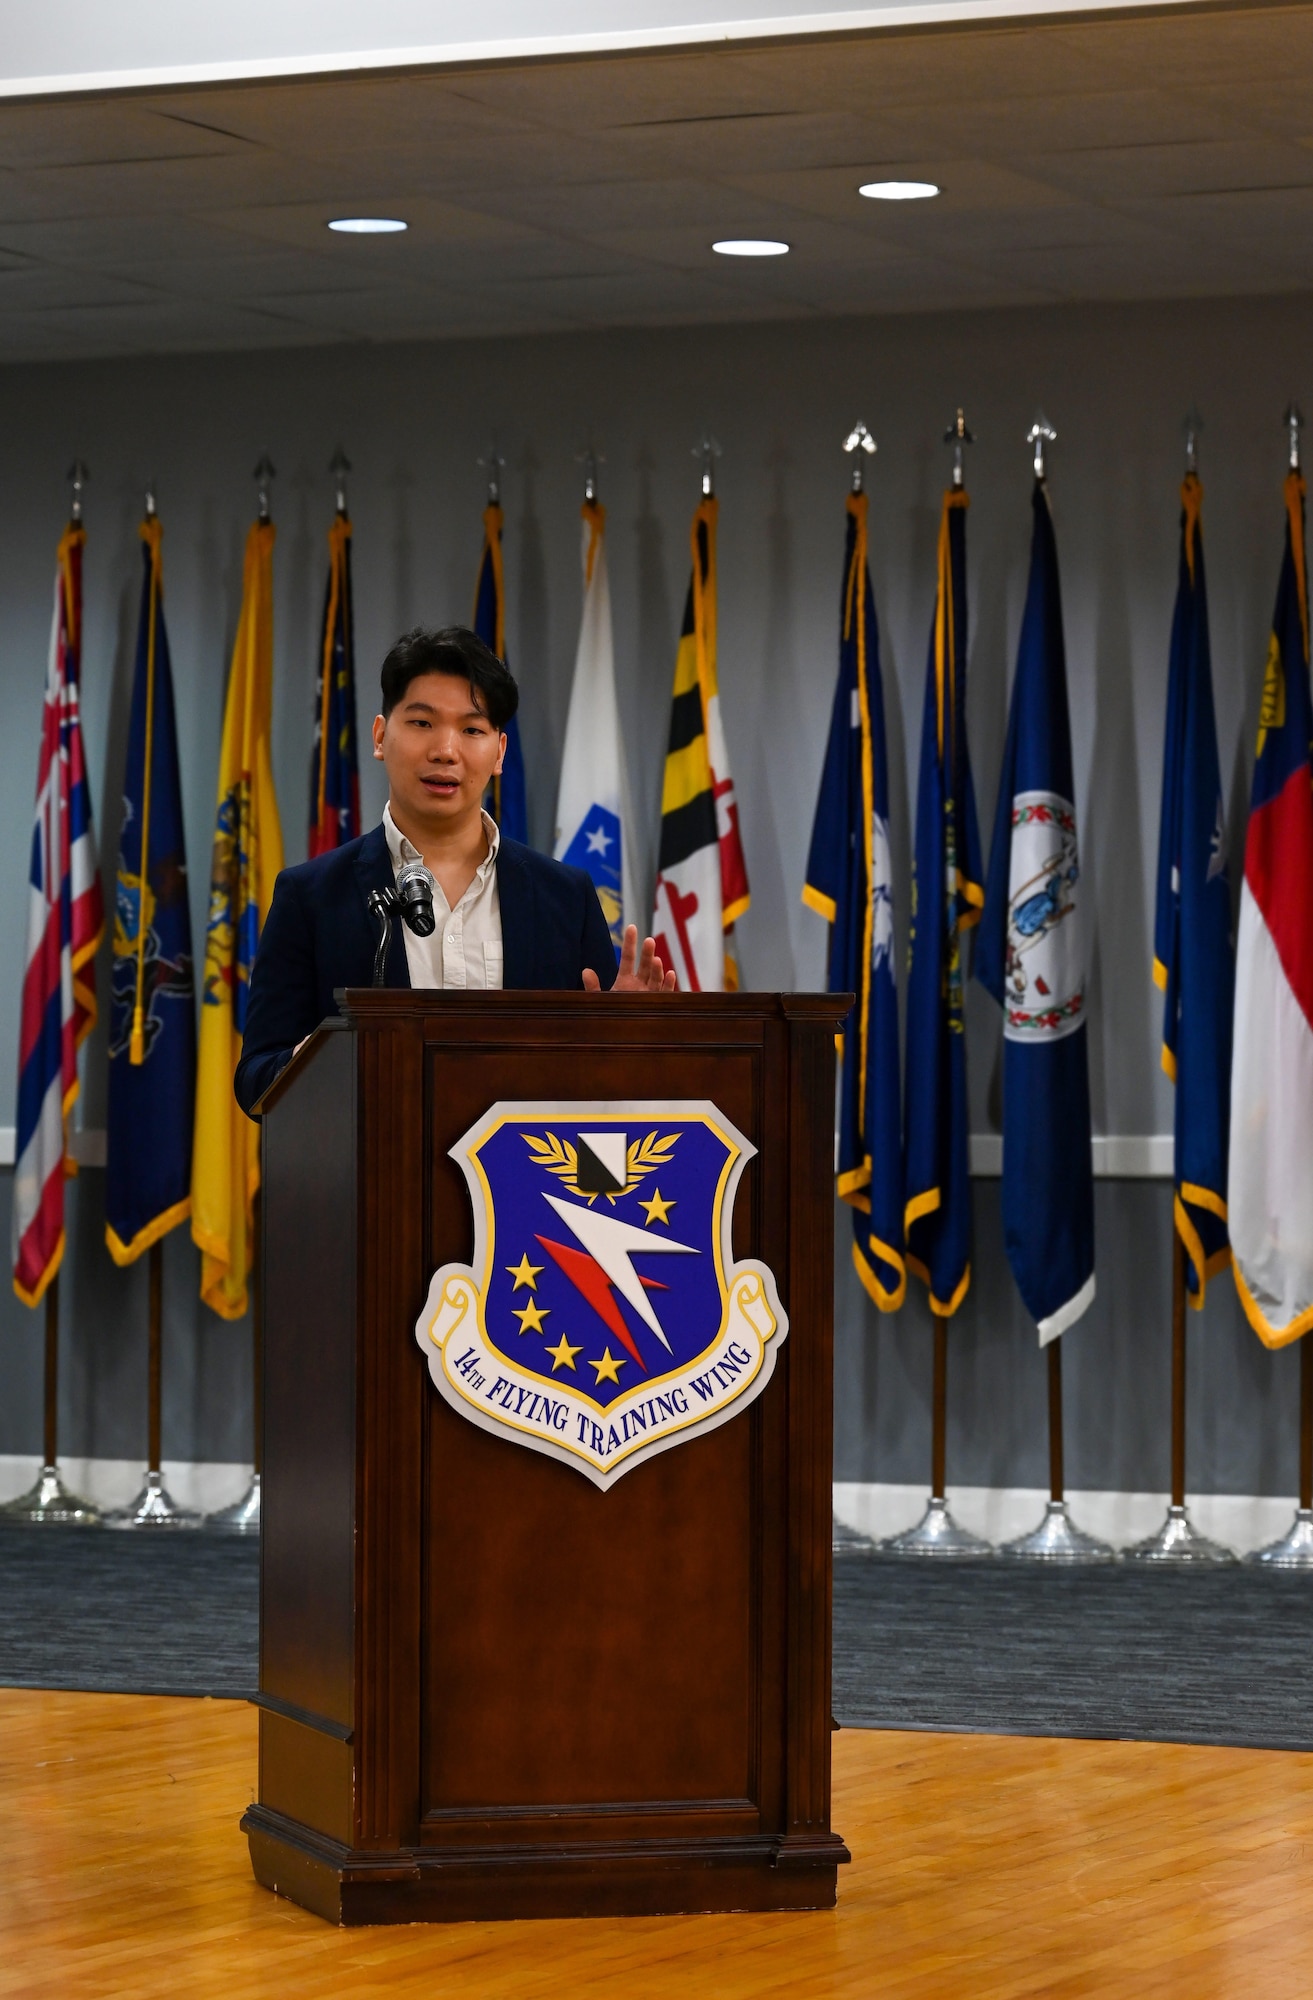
413 898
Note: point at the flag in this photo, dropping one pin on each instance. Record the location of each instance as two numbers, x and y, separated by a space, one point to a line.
334 767
1192 921
702 879
506 800
946 902
1031 957
850 883
592 822
152 1034
65 923
247 855
1271 1165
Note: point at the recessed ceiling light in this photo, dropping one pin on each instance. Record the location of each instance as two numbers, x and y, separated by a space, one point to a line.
367 225
898 190
750 246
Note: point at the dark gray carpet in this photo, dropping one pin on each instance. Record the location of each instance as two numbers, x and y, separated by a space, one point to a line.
1222 1657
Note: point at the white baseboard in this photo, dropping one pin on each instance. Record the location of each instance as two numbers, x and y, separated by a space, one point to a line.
1242 1521
113 1482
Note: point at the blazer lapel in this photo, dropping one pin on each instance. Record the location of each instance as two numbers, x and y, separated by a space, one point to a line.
518 918
374 871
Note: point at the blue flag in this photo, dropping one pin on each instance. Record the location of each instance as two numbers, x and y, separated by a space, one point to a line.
152 1030
1031 957
506 800
334 766
946 901
1192 959
849 882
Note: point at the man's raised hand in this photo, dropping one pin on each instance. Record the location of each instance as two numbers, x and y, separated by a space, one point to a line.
648 975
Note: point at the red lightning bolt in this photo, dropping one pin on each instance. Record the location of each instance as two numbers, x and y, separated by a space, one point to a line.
591 1281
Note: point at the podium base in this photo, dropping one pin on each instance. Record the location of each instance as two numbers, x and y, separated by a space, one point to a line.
49 1504
1179 1542
242 1518
1058 1540
154 1507
1293 1551
938 1534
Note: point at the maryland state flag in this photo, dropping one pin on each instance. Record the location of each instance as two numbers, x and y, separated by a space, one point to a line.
248 853
65 923
506 800
334 766
1031 957
850 883
946 901
152 1032
1271 1167
1192 921
702 878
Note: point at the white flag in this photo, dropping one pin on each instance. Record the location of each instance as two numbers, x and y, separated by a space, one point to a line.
593 820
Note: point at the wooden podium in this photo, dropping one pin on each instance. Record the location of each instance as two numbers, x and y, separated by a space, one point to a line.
489 1689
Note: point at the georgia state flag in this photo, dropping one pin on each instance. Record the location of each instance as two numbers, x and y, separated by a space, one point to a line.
1270 1181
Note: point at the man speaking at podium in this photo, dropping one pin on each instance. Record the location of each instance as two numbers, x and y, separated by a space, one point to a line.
504 915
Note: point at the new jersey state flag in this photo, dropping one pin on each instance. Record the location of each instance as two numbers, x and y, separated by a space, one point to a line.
506 797
850 883
1030 955
247 855
1192 921
593 823
946 899
334 766
1271 1174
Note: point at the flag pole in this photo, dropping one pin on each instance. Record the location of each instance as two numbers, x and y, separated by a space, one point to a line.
49 1503
242 1517
154 1506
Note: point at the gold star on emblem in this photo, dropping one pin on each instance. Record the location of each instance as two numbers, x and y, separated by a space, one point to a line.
608 1368
524 1273
563 1356
531 1317
656 1210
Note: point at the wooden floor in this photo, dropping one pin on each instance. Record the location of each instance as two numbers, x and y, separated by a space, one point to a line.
983 1867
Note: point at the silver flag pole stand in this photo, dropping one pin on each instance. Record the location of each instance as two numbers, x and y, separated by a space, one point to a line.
1295 1549
154 1506
937 1533
1178 1541
243 1517
49 1503
1057 1538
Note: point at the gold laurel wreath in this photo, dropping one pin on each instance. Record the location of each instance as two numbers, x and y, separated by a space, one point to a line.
559 1157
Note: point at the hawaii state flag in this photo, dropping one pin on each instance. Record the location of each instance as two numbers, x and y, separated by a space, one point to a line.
850 883
946 901
702 879
152 1033
506 798
1271 1166
593 825
246 859
334 766
65 923
1031 956
1192 921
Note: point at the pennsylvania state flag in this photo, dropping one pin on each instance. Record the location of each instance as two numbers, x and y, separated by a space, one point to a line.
506 800
1192 921
152 1029
1031 956
946 901
334 766
247 855
850 883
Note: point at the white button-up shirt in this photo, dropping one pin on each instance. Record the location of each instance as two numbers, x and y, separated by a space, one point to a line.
465 949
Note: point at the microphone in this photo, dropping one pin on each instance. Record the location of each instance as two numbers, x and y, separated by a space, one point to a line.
415 887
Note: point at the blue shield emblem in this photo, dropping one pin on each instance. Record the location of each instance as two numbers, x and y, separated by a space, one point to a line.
603 1318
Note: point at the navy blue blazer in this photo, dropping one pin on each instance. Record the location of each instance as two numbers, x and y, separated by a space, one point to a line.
319 935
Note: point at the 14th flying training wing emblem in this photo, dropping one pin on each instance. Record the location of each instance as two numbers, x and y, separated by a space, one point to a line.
603 1318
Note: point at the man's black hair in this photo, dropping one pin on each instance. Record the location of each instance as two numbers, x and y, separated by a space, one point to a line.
456 651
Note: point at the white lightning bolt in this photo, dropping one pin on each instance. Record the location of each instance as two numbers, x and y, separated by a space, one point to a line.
609 1243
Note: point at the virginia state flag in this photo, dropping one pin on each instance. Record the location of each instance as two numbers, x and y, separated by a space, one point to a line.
1192 921
506 800
946 901
702 879
1031 956
152 1030
334 766
1271 1168
850 883
593 824
247 855
65 923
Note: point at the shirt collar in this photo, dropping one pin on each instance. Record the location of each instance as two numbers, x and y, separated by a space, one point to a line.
402 850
